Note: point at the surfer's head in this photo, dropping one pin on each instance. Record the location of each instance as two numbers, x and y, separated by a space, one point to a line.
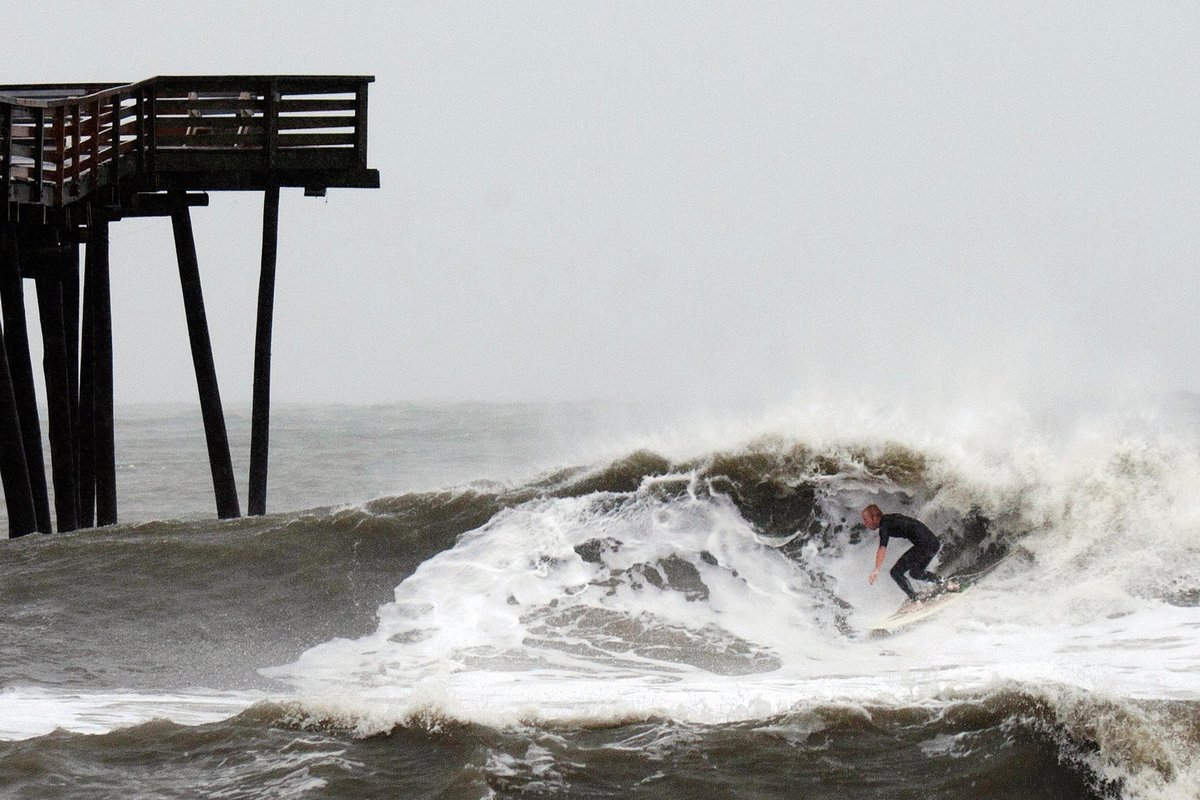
872 516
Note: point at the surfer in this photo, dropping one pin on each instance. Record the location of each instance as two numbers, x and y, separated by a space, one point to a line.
915 560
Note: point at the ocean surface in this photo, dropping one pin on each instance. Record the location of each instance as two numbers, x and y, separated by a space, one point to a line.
590 601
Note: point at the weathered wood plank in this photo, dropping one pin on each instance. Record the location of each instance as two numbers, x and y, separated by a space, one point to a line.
207 167
257 179
293 105
316 139
205 139
209 105
195 126
305 123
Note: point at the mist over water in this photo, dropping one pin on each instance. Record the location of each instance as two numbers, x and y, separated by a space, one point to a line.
543 600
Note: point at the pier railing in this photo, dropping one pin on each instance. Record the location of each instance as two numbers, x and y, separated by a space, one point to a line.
59 144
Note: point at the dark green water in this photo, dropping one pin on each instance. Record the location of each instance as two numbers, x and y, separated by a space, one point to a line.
134 661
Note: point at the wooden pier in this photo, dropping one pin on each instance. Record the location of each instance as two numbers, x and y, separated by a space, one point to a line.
74 160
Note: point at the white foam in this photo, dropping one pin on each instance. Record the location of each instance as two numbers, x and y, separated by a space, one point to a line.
512 626
27 712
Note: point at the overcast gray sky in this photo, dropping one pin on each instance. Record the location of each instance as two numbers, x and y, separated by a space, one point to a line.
743 203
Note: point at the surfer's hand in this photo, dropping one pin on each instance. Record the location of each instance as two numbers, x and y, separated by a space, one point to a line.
871 578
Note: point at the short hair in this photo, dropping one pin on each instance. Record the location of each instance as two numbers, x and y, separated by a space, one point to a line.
873 510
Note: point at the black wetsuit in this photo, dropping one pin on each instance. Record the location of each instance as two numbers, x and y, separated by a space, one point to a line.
913 562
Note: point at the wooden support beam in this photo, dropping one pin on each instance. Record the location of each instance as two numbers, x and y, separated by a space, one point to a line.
85 431
14 473
206 372
6 157
70 301
161 205
20 364
261 413
105 449
58 401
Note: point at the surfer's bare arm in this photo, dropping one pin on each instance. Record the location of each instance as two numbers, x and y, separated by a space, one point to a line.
880 555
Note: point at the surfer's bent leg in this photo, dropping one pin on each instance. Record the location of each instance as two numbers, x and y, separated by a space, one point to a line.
897 572
914 563
920 562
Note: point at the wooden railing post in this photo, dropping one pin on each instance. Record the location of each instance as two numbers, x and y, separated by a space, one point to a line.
39 149
114 168
6 155
149 134
271 122
139 140
95 165
60 153
360 124
77 149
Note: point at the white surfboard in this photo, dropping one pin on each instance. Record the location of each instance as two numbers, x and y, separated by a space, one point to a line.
910 612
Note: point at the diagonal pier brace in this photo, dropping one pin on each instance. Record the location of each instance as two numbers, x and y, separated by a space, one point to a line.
206 372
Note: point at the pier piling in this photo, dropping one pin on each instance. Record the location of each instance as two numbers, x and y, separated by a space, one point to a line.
102 375
14 472
58 399
261 411
86 417
20 365
220 461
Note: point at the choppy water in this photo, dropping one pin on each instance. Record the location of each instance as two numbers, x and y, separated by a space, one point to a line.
539 603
